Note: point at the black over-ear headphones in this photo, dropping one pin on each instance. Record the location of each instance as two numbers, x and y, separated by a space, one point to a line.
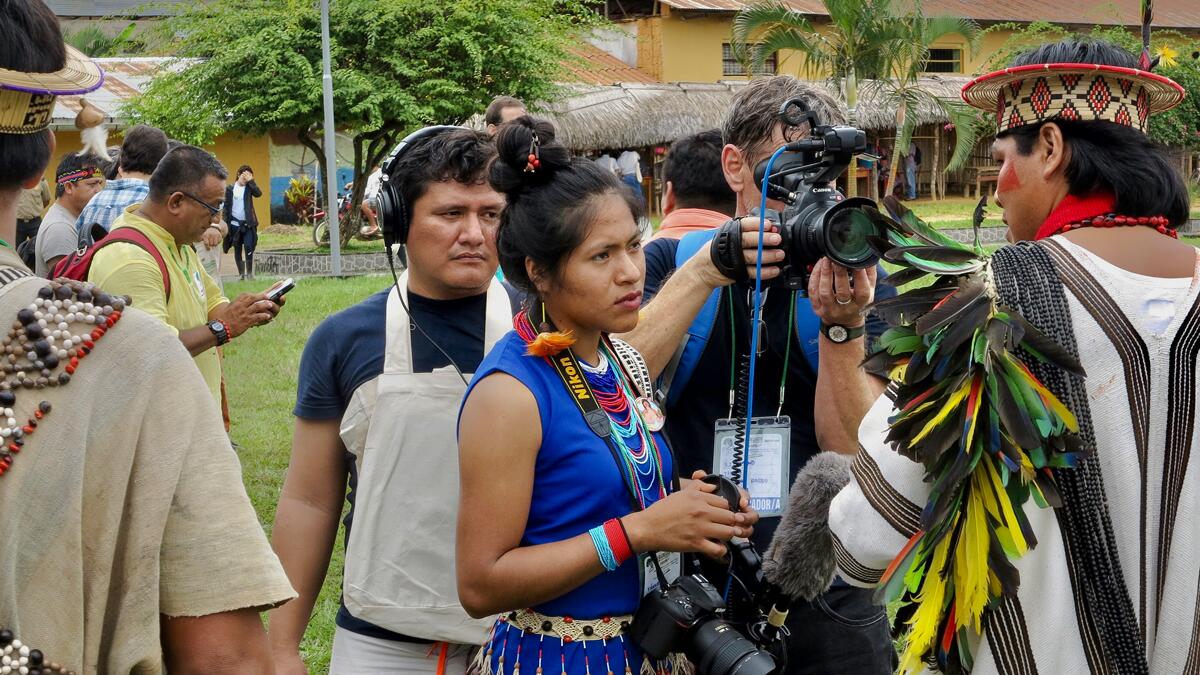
392 210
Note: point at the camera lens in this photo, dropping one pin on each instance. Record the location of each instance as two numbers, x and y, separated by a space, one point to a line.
846 233
718 649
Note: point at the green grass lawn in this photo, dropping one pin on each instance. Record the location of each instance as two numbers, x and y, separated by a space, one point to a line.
261 369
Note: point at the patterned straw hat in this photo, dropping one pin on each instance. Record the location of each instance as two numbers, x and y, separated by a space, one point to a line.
27 99
1072 91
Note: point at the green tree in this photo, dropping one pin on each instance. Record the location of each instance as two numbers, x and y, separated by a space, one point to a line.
254 66
913 34
865 39
854 48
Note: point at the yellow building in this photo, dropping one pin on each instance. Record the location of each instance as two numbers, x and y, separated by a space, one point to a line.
689 40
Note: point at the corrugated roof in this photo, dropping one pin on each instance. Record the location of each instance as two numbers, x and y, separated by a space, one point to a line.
123 78
110 8
1167 13
600 67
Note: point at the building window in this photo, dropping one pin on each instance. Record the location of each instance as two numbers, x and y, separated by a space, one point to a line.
730 66
944 61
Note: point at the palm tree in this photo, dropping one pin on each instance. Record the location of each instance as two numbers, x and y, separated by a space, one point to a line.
866 39
913 34
855 47
94 42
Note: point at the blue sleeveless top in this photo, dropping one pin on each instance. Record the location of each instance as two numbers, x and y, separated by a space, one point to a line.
577 485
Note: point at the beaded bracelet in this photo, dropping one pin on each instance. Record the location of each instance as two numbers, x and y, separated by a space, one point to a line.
618 540
600 541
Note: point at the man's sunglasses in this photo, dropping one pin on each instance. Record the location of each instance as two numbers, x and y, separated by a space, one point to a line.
215 210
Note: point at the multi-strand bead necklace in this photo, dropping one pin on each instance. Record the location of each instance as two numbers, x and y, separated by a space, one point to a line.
43 349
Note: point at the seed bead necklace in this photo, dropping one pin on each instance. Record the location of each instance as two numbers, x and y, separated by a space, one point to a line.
44 347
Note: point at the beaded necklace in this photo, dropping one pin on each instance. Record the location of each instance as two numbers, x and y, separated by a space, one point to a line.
642 466
643 462
42 341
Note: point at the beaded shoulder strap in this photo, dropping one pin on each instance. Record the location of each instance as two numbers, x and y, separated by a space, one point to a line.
635 364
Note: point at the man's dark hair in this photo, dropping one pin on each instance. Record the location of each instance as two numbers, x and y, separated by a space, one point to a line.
142 148
32 43
244 167
113 163
754 115
460 155
183 170
1106 156
549 209
492 116
693 168
73 162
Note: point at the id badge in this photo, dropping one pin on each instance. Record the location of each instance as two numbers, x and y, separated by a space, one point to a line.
769 465
672 567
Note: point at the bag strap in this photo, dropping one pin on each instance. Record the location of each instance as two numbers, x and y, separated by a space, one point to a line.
681 366
129 235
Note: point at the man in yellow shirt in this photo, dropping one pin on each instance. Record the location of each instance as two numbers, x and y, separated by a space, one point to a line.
185 200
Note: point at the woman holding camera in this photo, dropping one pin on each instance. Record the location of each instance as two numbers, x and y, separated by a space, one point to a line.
554 512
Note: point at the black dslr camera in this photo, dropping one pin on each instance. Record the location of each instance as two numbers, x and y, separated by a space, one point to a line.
692 617
818 221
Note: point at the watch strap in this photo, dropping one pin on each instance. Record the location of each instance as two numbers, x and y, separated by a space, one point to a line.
850 333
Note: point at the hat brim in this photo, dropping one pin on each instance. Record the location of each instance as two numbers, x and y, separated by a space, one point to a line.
983 92
79 76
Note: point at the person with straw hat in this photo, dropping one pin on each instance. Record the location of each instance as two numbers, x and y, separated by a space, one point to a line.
127 542
1027 488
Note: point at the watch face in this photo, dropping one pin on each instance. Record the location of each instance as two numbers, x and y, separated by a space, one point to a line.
838 333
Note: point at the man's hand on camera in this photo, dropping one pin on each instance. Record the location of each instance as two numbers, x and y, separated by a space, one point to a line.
731 263
833 298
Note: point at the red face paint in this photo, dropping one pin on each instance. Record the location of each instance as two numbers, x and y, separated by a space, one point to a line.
1008 180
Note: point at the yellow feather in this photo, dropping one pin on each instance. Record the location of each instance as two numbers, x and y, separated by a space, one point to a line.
1009 516
1056 405
897 374
971 572
951 404
929 601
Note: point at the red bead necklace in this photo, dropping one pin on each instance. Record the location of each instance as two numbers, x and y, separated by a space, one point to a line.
1113 220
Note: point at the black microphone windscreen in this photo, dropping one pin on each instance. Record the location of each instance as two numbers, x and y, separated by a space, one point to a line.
800 559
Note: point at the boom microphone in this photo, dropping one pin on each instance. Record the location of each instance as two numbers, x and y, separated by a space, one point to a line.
800 559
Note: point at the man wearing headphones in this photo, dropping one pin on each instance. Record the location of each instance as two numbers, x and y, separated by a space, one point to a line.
379 390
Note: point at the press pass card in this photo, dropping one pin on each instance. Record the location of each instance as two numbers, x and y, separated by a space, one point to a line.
769 459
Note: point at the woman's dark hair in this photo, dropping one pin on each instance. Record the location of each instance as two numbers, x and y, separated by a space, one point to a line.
1105 155
549 209
244 167
32 43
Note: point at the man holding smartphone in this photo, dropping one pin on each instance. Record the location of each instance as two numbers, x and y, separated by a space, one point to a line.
169 282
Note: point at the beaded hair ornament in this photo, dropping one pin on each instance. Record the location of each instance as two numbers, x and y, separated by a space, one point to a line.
78 175
534 161
27 99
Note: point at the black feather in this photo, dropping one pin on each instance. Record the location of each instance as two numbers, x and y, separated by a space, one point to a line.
880 363
1015 418
970 289
1005 571
942 254
906 307
980 212
1051 350
963 328
902 277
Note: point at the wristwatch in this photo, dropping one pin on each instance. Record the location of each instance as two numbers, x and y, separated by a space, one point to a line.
839 334
218 329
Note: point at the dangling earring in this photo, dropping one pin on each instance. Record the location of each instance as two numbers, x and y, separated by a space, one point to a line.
549 342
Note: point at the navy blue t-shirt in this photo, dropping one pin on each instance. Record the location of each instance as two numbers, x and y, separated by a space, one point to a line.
705 398
346 351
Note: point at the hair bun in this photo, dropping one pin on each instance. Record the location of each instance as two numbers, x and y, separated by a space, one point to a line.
518 140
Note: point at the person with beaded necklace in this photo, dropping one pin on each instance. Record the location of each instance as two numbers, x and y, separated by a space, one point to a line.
127 541
553 514
1105 580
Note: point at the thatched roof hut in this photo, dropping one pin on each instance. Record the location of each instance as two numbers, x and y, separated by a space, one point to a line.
635 115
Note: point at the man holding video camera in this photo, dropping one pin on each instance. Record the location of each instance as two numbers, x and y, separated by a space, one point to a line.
807 369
